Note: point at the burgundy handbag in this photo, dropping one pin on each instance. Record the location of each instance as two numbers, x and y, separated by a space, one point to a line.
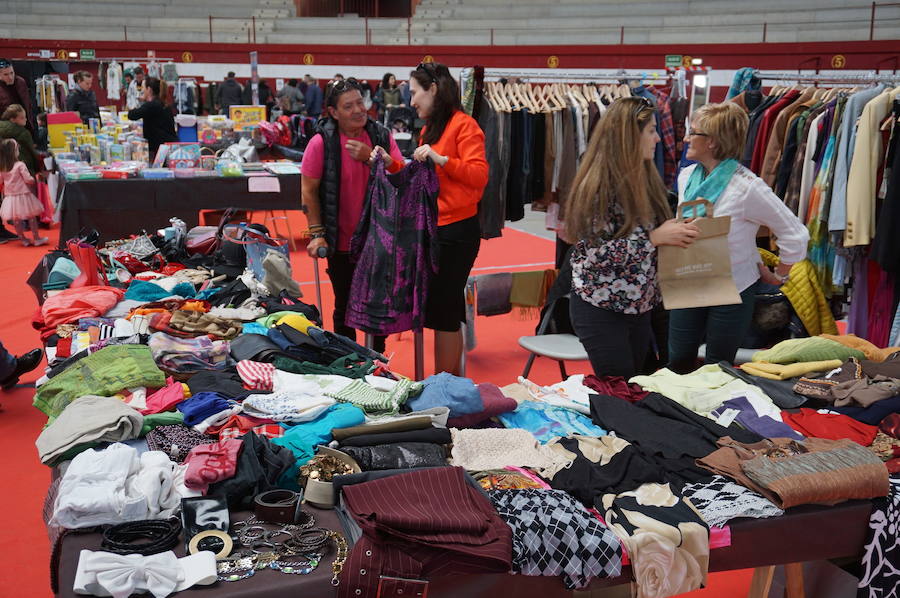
205 240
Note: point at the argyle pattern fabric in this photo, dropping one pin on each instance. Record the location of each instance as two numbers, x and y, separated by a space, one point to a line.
553 534
721 500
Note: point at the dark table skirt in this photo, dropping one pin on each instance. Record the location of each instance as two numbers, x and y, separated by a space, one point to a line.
120 208
803 534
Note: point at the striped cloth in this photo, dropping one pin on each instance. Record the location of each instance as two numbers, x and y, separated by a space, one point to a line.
375 401
256 375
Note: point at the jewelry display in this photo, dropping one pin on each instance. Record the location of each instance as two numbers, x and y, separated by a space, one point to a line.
323 468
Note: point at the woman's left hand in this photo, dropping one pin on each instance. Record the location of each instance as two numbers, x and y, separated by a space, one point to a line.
423 152
769 277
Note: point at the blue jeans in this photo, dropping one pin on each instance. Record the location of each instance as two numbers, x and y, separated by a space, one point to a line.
722 327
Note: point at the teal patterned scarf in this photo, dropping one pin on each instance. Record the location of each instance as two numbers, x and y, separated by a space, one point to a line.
708 186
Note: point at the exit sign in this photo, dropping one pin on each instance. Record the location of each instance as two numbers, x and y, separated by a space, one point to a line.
673 61
87 54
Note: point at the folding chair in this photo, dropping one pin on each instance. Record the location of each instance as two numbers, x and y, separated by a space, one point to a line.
561 347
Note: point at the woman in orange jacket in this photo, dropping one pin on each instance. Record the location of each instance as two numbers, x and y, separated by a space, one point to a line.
455 143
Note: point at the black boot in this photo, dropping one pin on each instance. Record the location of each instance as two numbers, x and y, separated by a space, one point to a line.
6 236
24 364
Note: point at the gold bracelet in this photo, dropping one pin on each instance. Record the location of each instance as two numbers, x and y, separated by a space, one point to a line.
340 558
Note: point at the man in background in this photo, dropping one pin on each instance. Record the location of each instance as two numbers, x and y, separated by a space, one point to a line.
290 98
82 99
314 97
14 90
229 94
134 97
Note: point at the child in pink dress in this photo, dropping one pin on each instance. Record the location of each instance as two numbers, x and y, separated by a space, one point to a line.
19 201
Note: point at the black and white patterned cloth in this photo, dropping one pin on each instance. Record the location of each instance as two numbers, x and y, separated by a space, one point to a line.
722 500
881 557
553 534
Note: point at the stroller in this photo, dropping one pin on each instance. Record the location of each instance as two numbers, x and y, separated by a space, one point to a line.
400 122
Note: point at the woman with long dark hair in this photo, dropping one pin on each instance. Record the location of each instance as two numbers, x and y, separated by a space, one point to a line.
618 215
455 143
387 98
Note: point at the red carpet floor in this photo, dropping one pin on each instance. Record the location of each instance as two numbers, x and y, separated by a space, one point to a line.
497 358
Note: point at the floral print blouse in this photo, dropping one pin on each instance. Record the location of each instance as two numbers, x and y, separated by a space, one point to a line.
618 274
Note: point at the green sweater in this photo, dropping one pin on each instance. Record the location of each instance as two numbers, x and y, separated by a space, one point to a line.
27 153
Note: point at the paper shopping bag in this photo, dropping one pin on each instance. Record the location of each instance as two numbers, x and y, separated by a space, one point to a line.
699 275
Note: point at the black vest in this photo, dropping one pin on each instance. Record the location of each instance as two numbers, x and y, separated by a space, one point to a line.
330 185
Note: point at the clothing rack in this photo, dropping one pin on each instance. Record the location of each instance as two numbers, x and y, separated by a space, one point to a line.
568 76
817 78
182 100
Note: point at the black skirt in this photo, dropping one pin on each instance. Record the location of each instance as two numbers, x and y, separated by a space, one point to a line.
459 242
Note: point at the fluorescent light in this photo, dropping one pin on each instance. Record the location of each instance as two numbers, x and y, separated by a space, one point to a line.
696 61
700 80
73 54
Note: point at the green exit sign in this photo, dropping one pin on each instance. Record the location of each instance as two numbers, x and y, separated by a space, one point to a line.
87 54
673 60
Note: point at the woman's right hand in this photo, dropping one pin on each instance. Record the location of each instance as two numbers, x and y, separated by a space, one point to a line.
674 232
314 244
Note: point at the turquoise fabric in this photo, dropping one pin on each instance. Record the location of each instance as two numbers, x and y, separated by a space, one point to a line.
547 422
710 186
141 290
63 273
254 328
303 439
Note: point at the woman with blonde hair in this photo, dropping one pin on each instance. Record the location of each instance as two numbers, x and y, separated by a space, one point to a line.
716 140
617 215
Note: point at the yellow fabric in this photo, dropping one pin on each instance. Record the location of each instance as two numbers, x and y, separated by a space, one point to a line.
872 352
805 294
529 290
775 371
297 322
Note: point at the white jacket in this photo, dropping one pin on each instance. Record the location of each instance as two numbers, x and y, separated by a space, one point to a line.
750 203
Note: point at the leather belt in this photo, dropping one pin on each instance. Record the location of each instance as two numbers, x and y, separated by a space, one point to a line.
278 506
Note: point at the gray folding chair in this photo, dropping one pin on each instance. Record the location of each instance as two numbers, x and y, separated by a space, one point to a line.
561 347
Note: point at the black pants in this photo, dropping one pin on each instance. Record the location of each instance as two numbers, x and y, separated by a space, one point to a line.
722 327
617 344
340 271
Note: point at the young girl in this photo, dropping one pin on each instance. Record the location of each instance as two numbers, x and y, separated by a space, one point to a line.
19 201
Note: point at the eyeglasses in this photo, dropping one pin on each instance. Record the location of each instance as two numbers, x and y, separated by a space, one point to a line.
429 69
4 64
693 133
